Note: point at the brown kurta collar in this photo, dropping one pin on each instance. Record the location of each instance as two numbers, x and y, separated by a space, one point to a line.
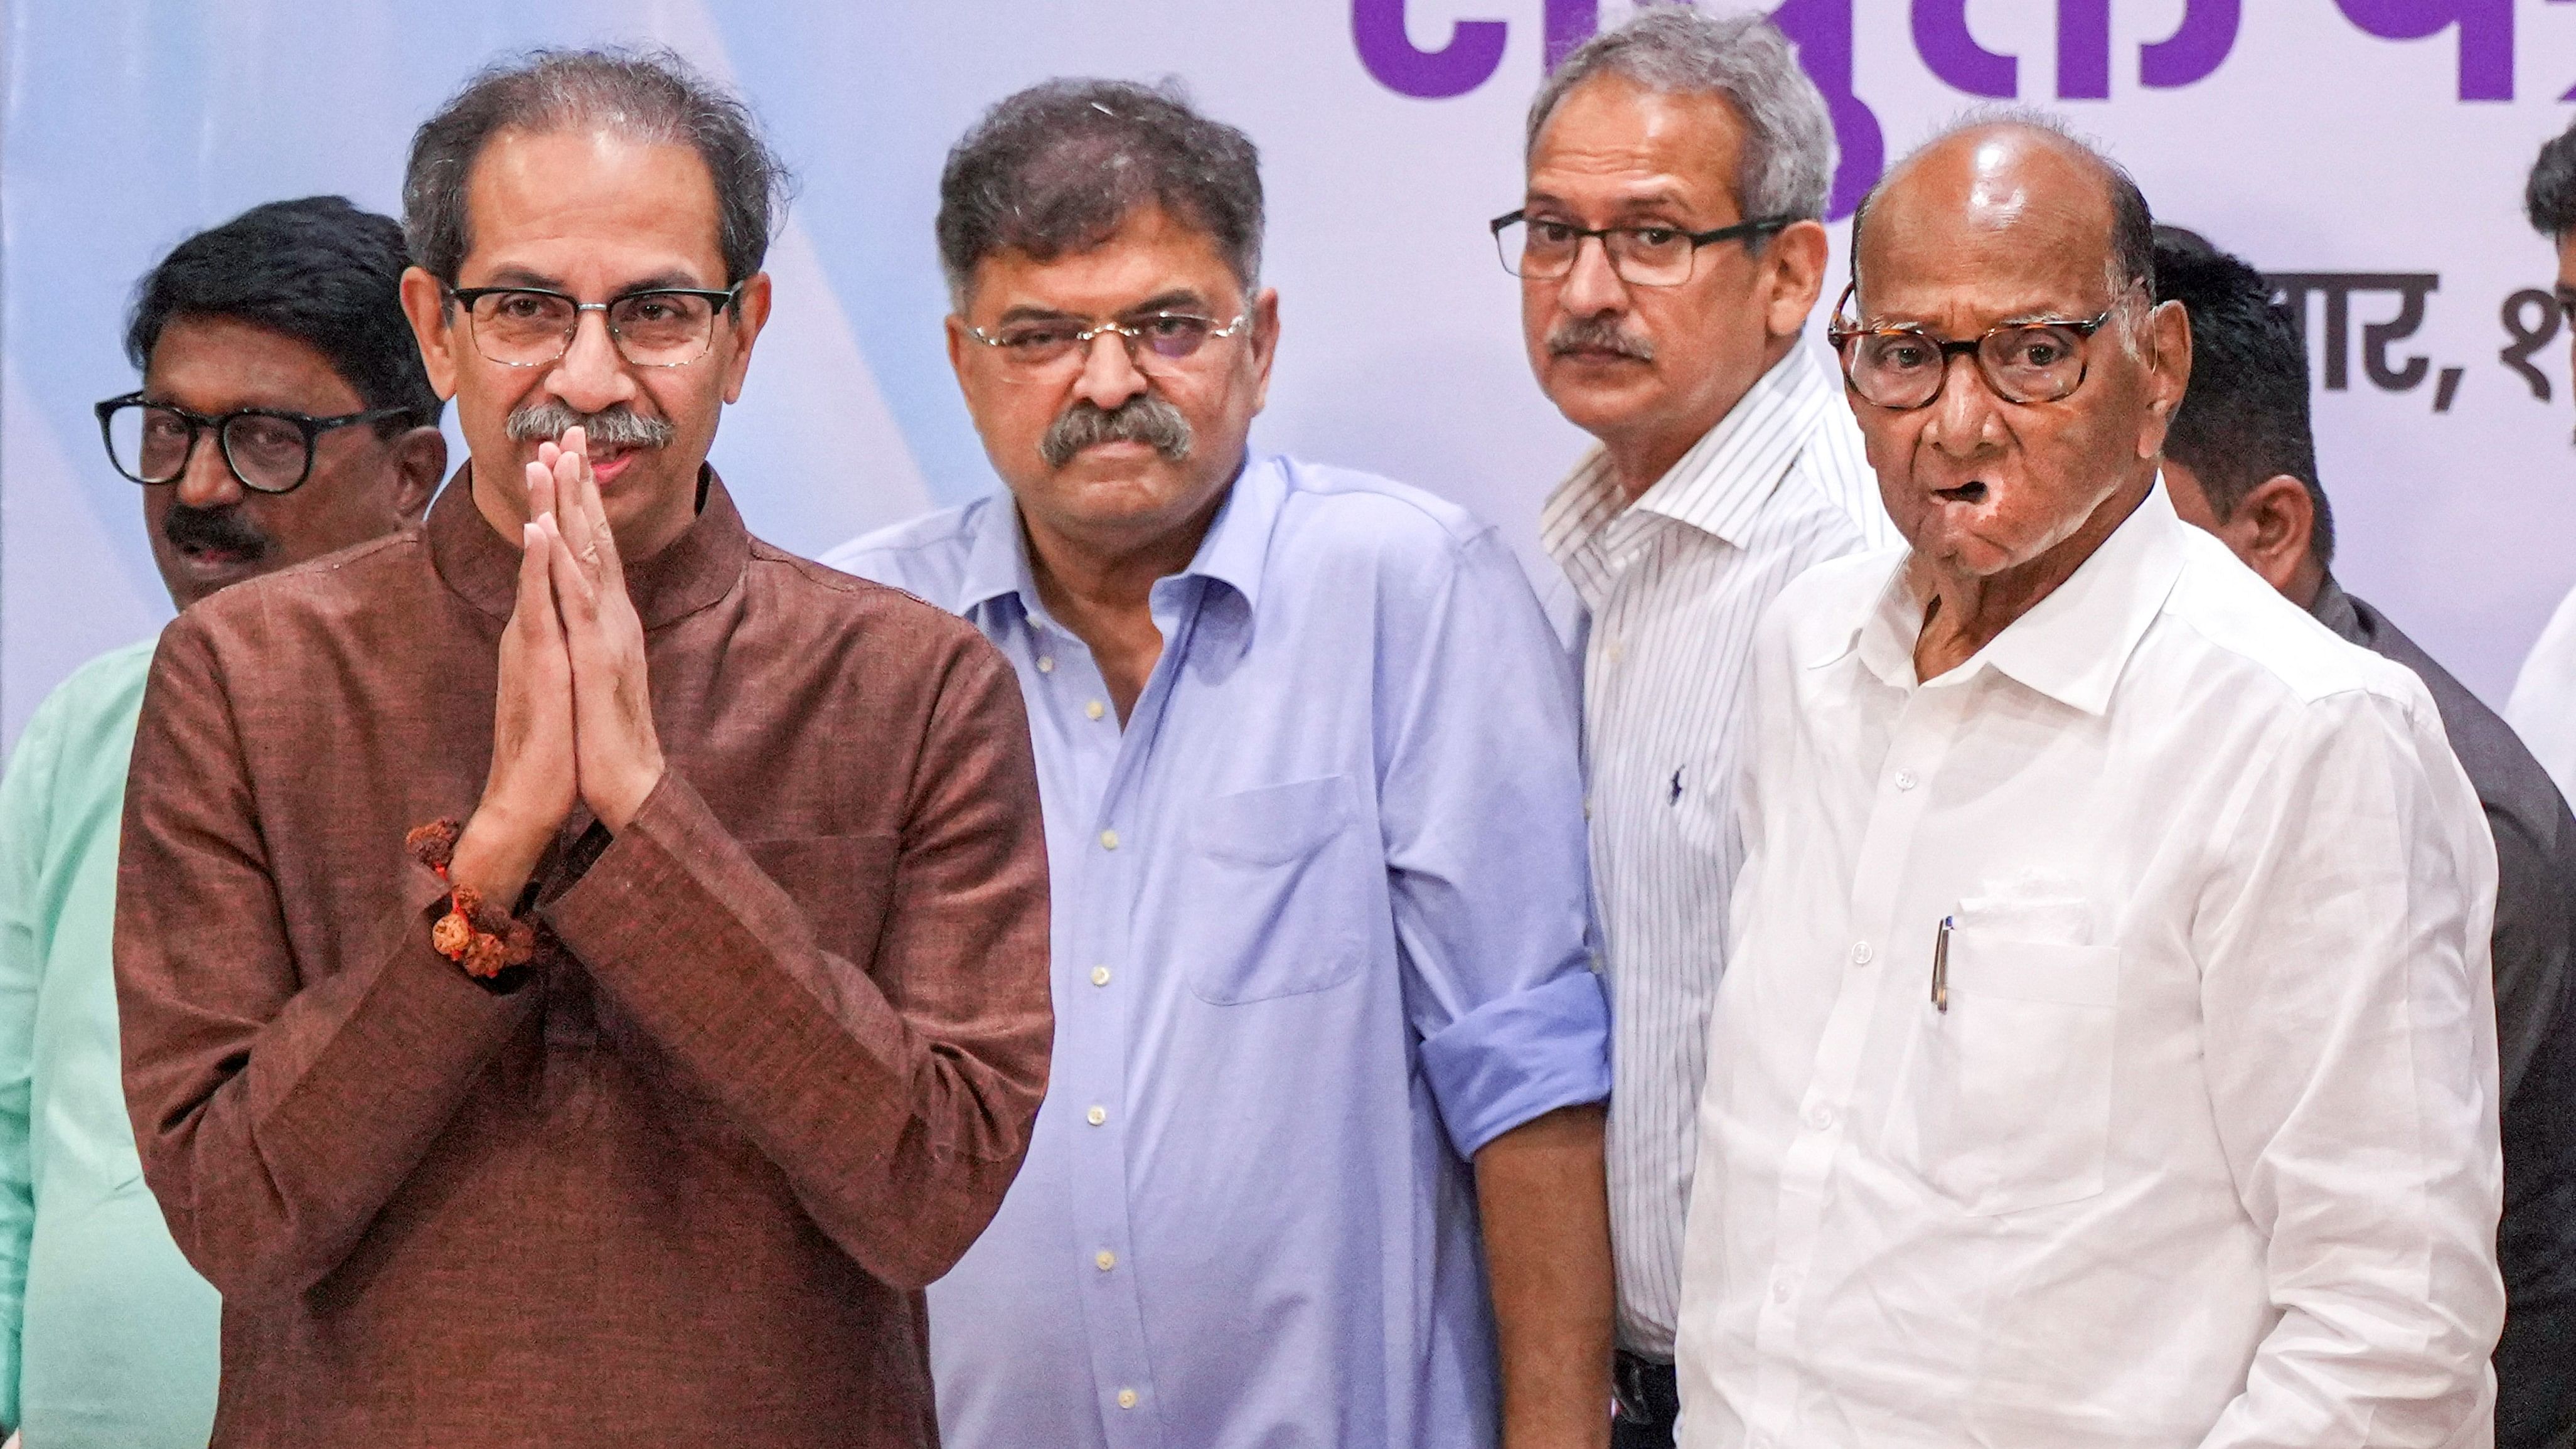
701 566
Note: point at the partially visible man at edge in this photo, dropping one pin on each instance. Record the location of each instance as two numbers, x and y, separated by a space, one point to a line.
700 1019
283 416
2239 461
1308 754
2542 708
1670 248
2107 1060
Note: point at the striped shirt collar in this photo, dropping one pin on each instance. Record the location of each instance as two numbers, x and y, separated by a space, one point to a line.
1718 487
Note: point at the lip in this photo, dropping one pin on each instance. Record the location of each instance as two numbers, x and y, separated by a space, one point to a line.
1595 357
215 565
606 470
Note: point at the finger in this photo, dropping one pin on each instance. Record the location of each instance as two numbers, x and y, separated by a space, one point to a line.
573 518
534 615
541 491
602 536
577 596
576 441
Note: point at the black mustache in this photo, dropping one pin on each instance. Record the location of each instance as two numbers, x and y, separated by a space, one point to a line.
1144 418
1598 334
221 529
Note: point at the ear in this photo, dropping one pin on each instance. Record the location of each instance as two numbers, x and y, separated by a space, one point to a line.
424 302
751 313
1265 342
958 342
1795 272
2272 528
2168 372
419 462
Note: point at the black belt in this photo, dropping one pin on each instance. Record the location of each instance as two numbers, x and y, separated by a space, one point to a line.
1646 1393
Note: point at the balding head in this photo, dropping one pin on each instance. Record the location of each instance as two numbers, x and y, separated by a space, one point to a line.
2007 462
2022 168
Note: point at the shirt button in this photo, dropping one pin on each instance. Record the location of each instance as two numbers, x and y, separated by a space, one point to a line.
1126 1398
1821 1117
1099 975
1109 840
1780 1289
1095 709
1861 954
1905 779
1614 653
1096 1116
1104 1260
1046 664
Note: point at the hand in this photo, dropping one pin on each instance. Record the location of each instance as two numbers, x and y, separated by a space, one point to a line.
618 755
530 788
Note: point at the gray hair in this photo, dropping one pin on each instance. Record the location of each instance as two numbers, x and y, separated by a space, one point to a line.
1786 167
651 96
1058 167
2131 246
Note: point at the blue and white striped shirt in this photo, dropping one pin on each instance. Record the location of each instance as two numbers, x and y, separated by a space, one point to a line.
1669 589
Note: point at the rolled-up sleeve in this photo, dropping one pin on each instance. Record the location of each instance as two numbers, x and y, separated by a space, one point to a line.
1481 802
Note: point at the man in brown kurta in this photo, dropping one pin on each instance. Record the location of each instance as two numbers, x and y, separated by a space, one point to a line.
682 1175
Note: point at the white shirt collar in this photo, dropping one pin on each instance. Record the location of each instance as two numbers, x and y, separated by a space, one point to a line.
2073 643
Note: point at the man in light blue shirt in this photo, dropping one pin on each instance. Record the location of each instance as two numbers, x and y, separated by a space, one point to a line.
1307 751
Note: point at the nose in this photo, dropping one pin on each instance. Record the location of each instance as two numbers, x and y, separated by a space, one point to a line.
1592 286
1963 410
206 480
1109 373
590 377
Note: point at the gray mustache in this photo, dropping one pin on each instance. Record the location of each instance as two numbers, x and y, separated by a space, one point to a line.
1143 419
1588 334
615 427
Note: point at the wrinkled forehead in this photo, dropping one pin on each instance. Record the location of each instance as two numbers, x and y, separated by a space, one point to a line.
1988 232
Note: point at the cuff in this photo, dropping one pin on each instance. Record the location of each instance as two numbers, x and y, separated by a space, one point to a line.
1518 1058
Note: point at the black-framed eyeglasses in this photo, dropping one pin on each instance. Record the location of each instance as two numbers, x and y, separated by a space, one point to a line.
1157 342
652 327
2041 360
1543 248
270 451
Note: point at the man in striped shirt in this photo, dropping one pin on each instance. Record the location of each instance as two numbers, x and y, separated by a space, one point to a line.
1698 156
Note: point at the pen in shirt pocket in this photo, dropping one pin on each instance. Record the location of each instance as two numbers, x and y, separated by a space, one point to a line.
1941 964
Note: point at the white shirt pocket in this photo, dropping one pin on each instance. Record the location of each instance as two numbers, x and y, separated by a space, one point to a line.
1274 892
2006 1100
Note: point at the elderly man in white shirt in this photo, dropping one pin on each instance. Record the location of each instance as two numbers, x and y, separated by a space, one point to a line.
1670 249
2106 1055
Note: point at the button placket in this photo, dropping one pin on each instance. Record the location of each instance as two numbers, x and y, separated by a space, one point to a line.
1921 731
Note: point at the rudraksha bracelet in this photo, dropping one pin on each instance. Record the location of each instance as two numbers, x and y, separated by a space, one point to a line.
475 934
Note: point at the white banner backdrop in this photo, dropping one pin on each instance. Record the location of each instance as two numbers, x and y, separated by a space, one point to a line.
2369 153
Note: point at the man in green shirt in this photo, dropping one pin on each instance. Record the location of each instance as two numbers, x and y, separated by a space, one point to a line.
284 415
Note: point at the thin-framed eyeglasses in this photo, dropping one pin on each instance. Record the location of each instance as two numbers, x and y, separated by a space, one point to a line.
2040 360
1543 248
650 327
1158 343
269 450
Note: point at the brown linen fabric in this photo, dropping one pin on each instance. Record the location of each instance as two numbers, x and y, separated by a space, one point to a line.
690 1180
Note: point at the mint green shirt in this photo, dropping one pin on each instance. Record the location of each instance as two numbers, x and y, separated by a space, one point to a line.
107 1336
